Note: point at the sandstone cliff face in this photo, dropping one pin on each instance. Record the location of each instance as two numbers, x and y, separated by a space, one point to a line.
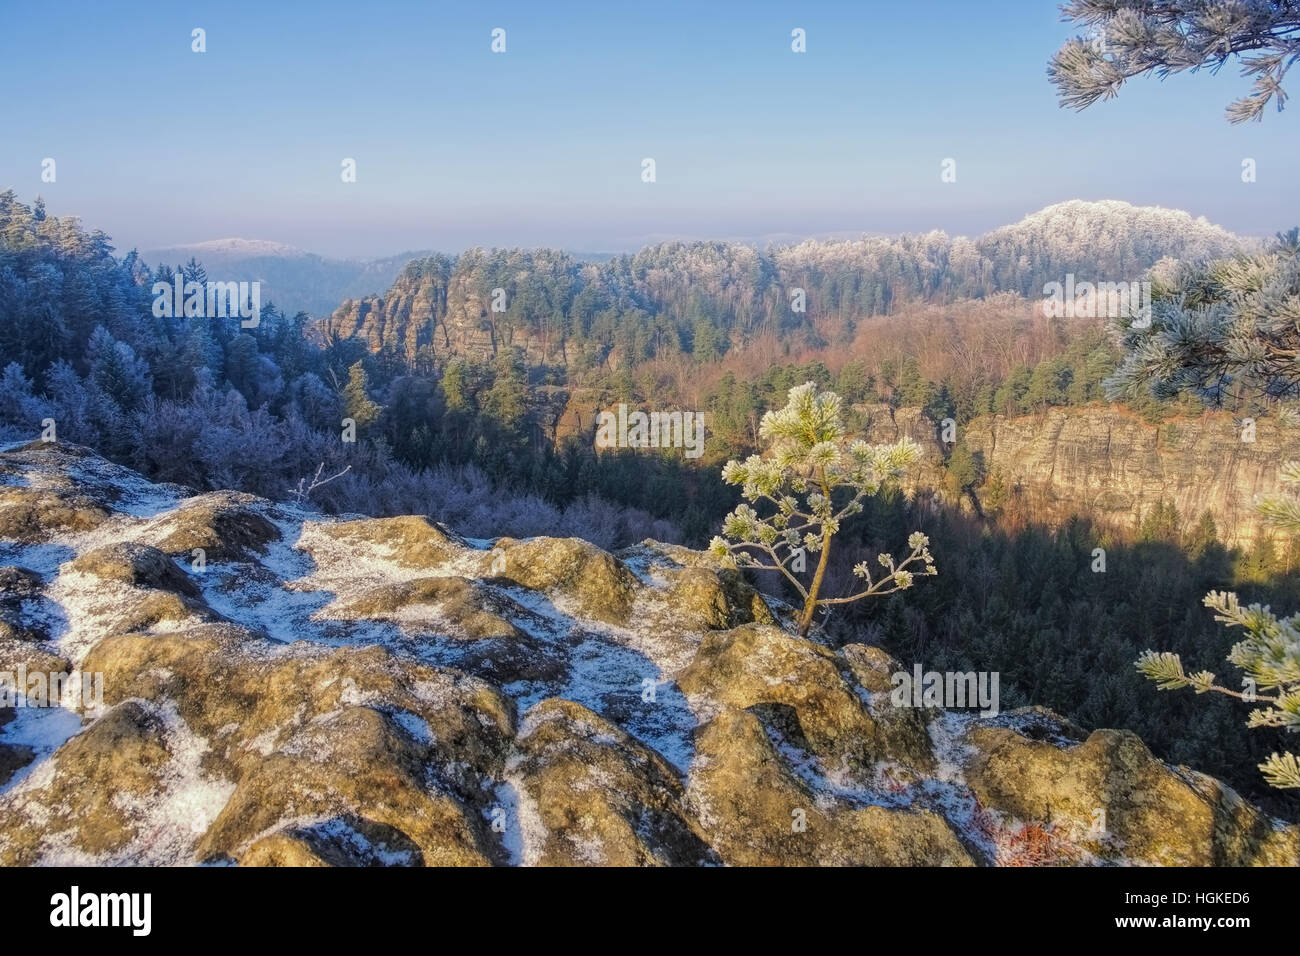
327 692
1107 463
405 320
440 308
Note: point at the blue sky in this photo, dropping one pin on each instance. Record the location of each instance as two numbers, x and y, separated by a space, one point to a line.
457 146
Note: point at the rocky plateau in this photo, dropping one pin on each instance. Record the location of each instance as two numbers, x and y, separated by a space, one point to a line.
281 688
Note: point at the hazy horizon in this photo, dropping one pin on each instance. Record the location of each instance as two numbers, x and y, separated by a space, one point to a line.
634 244
457 146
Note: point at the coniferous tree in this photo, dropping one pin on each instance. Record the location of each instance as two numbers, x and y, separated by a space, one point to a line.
193 271
1224 329
356 398
116 370
810 465
1161 37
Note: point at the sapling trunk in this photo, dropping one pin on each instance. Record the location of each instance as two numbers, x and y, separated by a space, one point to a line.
810 605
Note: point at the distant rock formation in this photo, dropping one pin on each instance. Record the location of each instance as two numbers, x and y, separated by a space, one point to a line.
1109 464
552 305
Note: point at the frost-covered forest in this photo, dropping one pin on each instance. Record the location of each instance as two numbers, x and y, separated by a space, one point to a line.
708 325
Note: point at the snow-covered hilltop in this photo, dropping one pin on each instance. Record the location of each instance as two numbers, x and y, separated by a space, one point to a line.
282 688
1104 240
234 247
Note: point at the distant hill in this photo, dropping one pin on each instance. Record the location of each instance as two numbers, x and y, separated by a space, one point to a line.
1107 240
706 297
293 279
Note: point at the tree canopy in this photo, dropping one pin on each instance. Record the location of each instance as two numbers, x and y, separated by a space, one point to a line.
1129 38
1219 328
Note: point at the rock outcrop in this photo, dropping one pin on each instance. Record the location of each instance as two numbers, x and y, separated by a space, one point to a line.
364 692
437 306
1108 463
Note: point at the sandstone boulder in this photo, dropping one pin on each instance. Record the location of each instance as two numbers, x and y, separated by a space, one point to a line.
596 582
226 525
356 760
32 516
89 800
410 541
756 664
755 812
701 591
600 796
467 613
346 840
1153 814
249 699
20 589
137 565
